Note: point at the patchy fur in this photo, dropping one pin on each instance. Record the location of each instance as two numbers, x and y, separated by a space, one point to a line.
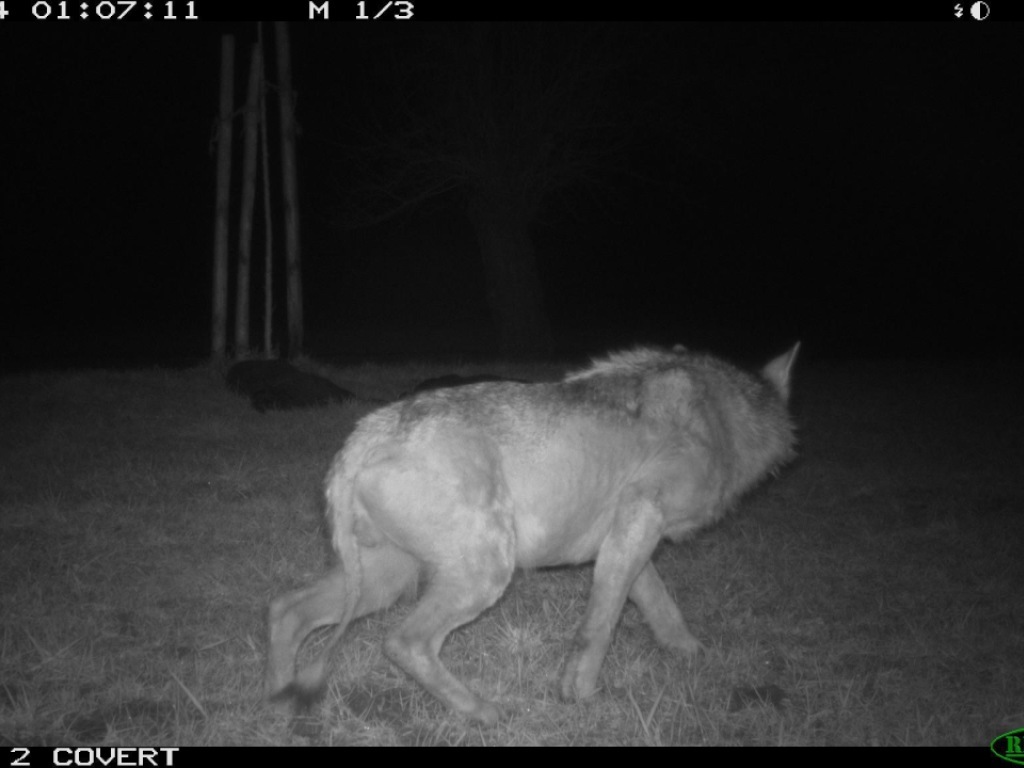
463 485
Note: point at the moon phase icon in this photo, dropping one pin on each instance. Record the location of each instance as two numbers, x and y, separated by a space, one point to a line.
980 10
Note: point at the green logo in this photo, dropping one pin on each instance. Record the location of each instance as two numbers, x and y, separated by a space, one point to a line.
1010 746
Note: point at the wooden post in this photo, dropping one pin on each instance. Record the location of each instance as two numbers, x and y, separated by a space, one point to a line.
251 140
220 226
268 246
289 175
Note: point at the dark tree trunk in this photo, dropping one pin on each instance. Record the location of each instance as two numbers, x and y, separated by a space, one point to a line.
514 291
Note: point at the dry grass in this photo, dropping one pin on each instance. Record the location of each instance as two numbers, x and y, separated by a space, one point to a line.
867 596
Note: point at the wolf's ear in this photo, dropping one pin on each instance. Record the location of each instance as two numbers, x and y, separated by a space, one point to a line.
777 371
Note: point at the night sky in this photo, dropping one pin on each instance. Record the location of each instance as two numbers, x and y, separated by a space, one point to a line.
858 187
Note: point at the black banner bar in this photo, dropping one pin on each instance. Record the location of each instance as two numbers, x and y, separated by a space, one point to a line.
968 13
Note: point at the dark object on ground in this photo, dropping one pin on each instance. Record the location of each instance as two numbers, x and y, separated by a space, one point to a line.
454 380
274 385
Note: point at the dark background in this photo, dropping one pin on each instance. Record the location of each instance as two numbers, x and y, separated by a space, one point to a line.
858 187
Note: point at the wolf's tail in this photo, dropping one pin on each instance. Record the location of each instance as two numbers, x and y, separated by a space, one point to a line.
341 501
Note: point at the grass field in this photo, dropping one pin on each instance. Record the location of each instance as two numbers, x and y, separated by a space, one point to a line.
869 595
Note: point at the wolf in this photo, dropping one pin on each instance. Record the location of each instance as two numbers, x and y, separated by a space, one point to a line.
463 485
455 380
